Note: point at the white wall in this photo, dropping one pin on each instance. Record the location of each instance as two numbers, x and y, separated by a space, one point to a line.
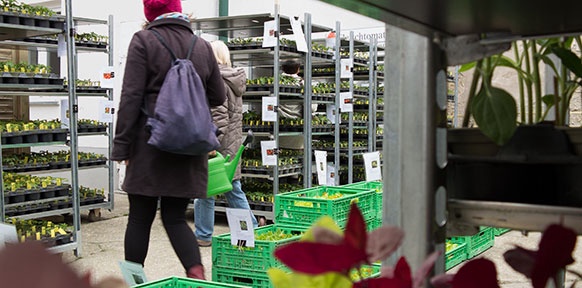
128 18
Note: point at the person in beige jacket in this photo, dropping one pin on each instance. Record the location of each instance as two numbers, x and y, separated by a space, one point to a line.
228 119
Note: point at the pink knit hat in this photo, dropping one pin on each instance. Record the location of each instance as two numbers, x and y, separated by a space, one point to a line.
155 8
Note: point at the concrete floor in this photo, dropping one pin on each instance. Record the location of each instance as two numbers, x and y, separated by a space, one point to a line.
102 248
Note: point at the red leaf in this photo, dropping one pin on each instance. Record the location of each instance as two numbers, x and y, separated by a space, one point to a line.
317 258
554 253
402 272
355 233
478 273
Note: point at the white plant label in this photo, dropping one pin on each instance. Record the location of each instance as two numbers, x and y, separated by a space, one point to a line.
321 166
61 46
372 166
108 77
269 153
269 109
331 175
270 34
241 227
106 111
7 234
132 273
299 36
330 113
65 113
347 65
346 102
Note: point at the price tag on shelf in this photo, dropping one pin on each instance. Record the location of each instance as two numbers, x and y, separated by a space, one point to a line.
346 102
298 33
269 153
372 166
269 109
347 65
321 166
106 111
108 77
270 34
64 113
331 175
241 227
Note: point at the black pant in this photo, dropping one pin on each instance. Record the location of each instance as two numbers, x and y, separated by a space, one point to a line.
142 211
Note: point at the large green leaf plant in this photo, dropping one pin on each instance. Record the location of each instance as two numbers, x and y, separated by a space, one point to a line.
495 110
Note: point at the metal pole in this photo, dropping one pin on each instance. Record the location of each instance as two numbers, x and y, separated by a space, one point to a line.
351 119
372 73
307 140
337 103
276 94
73 110
110 132
409 143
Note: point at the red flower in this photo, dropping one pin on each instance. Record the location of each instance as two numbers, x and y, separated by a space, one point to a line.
478 273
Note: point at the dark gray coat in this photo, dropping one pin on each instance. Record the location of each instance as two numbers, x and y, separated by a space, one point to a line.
152 172
228 116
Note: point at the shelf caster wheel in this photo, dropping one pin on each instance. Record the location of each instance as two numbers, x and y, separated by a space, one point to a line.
94 215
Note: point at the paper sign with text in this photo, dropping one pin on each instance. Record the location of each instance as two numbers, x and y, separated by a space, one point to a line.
133 273
372 166
299 36
61 46
346 102
241 227
269 109
331 175
106 111
347 65
269 153
270 34
64 113
108 77
330 113
321 166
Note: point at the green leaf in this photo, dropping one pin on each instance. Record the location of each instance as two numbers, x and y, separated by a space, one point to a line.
569 59
467 66
549 100
549 62
495 112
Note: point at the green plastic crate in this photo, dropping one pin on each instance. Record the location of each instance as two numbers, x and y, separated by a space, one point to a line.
456 255
255 279
478 243
178 282
377 187
258 258
302 208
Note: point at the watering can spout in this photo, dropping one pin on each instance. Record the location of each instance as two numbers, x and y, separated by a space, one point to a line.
230 167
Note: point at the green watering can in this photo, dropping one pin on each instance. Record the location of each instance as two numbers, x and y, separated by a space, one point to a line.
221 170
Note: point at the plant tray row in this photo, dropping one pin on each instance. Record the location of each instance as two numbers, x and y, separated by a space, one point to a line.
262 170
29 20
91 129
36 194
254 205
53 41
34 136
52 165
27 209
287 128
29 79
271 88
88 89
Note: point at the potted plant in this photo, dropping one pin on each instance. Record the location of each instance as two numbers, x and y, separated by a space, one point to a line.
532 162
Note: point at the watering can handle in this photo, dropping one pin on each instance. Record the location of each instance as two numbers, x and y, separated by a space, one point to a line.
249 138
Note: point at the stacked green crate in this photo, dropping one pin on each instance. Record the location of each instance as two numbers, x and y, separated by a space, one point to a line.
377 187
478 243
248 265
455 253
178 282
304 207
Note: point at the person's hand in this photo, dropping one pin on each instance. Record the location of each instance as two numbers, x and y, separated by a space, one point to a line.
124 162
212 153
